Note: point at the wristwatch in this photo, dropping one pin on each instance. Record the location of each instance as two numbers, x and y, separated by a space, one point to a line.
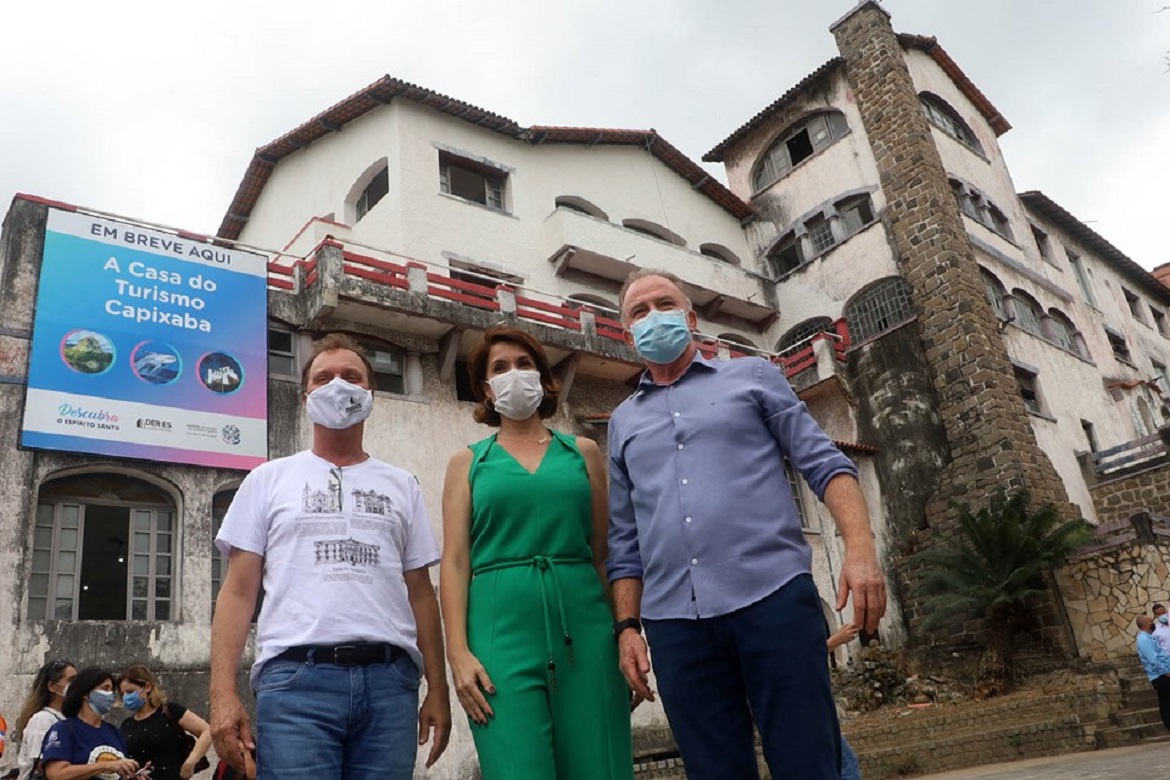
622 625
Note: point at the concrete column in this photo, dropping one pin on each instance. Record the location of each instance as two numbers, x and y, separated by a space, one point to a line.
413 374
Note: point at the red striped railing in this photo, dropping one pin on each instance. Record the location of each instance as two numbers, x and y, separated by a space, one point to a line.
557 314
381 271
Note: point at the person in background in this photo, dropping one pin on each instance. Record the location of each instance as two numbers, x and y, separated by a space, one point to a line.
850 766
152 732
1156 662
83 746
523 581
1161 629
41 710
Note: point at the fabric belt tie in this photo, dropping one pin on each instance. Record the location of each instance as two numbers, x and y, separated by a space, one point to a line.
542 564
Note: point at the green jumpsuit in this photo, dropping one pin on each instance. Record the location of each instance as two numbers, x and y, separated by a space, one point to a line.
538 622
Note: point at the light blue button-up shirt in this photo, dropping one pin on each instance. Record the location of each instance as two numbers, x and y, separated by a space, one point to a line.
1155 660
700 507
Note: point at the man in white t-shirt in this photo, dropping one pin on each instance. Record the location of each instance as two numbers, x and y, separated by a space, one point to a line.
341 543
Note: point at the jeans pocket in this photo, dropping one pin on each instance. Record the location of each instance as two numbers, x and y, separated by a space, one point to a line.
280 675
406 672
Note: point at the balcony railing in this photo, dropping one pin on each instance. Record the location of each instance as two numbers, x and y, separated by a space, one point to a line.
550 310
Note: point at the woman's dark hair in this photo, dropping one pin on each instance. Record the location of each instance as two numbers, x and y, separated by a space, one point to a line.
40 695
477 368
85 681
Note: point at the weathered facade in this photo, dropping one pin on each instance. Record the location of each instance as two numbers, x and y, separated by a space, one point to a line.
953 336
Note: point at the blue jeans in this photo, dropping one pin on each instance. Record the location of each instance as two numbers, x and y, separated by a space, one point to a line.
765 662
850 766
317 721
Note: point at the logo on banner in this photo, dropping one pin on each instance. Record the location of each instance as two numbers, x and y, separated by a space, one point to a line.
149 424
231 434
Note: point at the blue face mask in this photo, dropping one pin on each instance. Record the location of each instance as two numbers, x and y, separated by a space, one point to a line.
1162 619
101 701
661 336
133 701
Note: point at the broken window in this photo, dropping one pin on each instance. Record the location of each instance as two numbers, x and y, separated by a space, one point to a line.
1027 382
1159 321
855 214
878 308
786 256
997 221
797 144
374 192
995 292
1120 347
471 181
1134 303
821 234
103 549
1042 243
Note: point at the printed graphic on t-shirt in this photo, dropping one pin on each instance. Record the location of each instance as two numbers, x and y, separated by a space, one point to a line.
349 551
322 501
371 502
105 754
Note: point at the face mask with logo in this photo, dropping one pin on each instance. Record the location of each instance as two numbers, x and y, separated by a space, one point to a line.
339 404
661 336
518 393
101 701
133 701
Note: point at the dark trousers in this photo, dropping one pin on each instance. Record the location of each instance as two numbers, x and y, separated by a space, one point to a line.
1162 686
767 661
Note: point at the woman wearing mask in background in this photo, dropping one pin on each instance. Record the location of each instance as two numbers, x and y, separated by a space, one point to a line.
522 582
83 745
41 710
152 732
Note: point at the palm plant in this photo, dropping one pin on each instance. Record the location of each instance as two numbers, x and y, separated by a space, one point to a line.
994 568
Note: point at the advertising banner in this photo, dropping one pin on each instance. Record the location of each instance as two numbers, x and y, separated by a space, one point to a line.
148 345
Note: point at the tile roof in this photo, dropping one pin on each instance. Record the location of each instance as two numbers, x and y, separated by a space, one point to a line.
1042 204
813 79
388 88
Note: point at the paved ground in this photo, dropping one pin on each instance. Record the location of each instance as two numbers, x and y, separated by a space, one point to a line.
1145 762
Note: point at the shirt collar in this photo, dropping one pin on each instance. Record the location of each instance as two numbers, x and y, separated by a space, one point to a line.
698 362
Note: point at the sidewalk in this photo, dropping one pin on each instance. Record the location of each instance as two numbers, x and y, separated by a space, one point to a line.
1144 762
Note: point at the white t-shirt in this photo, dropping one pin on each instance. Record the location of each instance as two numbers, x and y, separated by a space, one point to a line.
30 741
335 542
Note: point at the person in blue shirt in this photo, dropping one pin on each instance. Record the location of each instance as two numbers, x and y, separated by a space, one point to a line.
83 746
707 553
1156 662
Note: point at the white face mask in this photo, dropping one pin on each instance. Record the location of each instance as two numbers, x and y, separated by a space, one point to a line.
339 404
518 393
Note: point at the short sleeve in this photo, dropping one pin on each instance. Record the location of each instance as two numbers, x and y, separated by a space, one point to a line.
421 549
245 526
177 710
58 744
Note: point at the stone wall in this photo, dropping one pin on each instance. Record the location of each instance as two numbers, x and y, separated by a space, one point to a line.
1121 499
992 446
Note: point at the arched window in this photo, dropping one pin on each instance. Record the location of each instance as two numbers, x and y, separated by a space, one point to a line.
994 291
998 221
371 187
654 230
1061 330
609 308
878 308
1028 313
799 334
735 338
104 548
796 144
720 253
948 120
786 255
574 203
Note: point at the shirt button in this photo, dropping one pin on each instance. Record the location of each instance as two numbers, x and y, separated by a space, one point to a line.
694 561
676 414
680 446
684 482
687 520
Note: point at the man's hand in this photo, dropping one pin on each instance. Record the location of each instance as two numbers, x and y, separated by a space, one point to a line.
434 717
231 731
634 662
862 577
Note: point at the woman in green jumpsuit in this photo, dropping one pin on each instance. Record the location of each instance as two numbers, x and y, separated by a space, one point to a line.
528 628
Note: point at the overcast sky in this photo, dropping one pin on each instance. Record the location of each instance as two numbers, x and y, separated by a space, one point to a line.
152 110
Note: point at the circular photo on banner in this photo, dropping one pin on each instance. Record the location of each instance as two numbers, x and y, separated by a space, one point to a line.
87 351
221 373
156 362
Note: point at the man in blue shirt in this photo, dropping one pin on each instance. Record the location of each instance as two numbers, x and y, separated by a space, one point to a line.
705 547
1156 662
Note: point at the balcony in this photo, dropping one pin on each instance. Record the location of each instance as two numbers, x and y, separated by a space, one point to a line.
341 281
586 244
